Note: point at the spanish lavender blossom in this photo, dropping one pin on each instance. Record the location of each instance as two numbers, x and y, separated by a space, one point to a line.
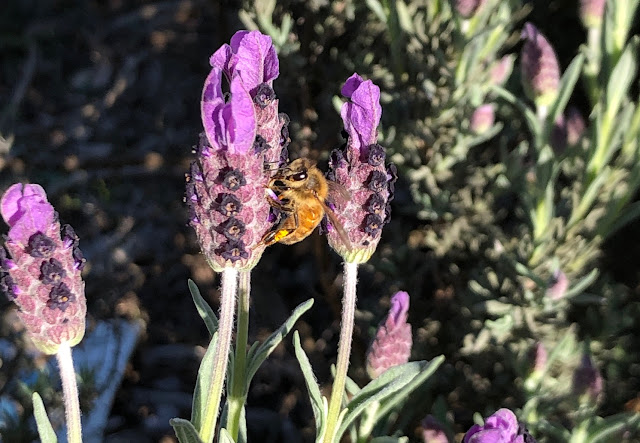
501 70
501 427
468 8
540 68
482 119
242 132
567 131
432 431
392 344
587 381
538 357
41 274
359 167
558 285
591 12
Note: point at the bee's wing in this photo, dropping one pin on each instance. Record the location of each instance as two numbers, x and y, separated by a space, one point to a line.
336 224
338 192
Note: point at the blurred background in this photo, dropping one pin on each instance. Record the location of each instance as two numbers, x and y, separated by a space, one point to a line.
99 103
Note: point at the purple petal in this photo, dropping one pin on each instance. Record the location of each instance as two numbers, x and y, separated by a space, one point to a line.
488 436
503 419
221 59
351 85
257 60
213 85
237 39
26 210
399 307
361 115
243 129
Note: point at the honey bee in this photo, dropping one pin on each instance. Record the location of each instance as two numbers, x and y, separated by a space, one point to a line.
300 190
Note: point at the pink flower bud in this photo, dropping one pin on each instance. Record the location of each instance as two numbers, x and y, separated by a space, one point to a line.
591 12
432 431
587 381
501 70
538 356
468 8
558 285
393 341
42 275
482 119
540 69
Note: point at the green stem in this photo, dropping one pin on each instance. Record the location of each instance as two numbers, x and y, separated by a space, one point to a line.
344 351
70 393
221 357
237 393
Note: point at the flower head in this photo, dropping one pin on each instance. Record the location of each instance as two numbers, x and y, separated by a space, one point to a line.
587 381
392 343
558 285
501 70
432 431
591 12
242 131
41 273
540 68
501 427
482 119
468 8
359 167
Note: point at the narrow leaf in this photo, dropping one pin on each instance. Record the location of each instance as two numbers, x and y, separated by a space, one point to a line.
205 374
312 386
582 284
45 430
265 349
225 437
613 426
184 430
203 308
389 382
567 84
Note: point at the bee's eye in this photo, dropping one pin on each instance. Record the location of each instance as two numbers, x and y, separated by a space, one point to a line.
299 176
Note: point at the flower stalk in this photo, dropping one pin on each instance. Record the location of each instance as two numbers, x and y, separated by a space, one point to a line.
237 391
221 357
70 393
344 350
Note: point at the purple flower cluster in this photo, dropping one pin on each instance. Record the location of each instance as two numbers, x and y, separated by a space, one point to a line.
468 8
501 427
540 68
41 273
243 131
392 344
360 168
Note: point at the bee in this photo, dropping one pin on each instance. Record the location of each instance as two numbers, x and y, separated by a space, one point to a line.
300 190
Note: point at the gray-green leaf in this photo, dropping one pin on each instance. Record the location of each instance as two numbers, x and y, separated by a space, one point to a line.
205 374
203 308
184 430
45 430
312 386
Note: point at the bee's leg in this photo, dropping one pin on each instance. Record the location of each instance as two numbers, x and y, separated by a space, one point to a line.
283 229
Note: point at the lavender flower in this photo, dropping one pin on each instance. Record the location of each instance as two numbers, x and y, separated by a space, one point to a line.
482 119
591 12
392 344
538 357
540 69
468 8
501 427
501 70
587 381
41 274
558 285
432 431
567 131
242 131
359 167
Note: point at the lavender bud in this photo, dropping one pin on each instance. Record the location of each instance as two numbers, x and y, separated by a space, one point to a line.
501 70
591 12
587 381
482 119
503 427
42 277
432 431
468 8
392 344
558 285
540 69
